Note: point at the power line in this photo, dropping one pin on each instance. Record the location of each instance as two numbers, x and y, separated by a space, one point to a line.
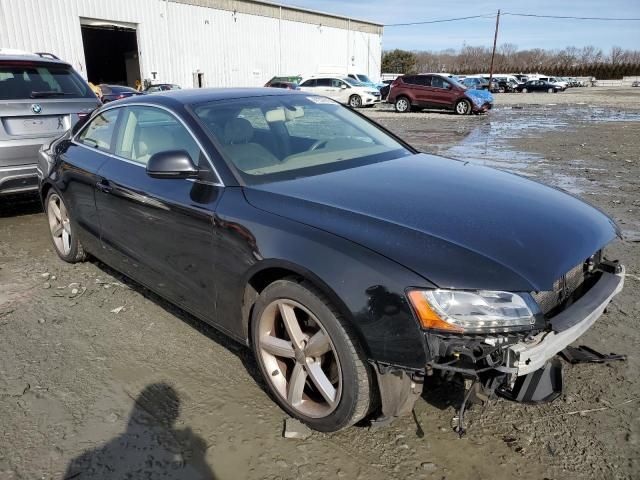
513 14
610 19
490 15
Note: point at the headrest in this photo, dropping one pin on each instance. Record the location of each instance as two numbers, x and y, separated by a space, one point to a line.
238 130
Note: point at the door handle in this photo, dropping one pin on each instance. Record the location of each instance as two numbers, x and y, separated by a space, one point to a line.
104 186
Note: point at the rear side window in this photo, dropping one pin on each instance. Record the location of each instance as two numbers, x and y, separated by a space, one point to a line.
422 80
148 130
309 83
28 80
324 82
99 133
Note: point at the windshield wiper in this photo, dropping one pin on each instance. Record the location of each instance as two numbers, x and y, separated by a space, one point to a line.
50 93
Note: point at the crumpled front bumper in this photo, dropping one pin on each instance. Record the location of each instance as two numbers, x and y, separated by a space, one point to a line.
566 327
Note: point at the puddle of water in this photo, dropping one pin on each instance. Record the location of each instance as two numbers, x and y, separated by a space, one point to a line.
488 145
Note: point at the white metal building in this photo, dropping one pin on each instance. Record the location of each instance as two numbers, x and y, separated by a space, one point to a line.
208 43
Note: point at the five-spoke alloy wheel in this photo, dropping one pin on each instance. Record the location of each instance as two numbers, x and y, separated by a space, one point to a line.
66 244
311 362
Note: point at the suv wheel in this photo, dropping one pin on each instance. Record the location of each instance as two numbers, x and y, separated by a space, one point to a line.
403 105
551 90
65 242
355 101
524 90
463 107
311 362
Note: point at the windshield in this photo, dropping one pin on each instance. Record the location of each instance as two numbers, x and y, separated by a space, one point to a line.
353 82
276 138
457 83
21 80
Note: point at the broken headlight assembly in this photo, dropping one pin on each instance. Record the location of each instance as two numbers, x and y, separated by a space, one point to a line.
474 312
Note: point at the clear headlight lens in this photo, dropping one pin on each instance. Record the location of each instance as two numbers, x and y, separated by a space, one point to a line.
472 312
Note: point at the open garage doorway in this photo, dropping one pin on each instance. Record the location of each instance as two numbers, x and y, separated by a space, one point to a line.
110 52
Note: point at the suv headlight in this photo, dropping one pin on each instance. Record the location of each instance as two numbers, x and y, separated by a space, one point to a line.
479 311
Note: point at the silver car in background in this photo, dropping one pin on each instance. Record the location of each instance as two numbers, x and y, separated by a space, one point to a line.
40 99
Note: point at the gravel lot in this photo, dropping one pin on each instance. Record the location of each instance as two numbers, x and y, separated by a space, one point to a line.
96 372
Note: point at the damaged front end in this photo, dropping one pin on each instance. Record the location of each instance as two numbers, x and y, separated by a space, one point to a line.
515 361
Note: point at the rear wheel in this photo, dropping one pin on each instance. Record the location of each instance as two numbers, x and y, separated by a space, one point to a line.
311 362
403 105
463 107
355 101
63 236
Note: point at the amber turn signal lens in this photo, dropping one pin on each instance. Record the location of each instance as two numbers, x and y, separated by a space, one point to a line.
428 318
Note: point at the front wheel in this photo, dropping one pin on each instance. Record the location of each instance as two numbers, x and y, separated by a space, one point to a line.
524 90
64 238
463 107
355 101
312 364
551 90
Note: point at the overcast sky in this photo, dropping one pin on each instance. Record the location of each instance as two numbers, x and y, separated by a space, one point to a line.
523 32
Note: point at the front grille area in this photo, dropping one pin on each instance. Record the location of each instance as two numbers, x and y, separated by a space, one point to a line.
563 288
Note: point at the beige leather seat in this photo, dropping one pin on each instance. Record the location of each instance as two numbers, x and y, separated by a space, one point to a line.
153 140
245 154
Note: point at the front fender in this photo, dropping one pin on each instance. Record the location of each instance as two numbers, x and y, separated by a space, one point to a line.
367 288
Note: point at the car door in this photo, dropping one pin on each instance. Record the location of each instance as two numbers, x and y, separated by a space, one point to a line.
421 87
342 90
78 173
327 88
442 93
159 231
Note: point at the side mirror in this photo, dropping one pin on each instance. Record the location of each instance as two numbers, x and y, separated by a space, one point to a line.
343 86
171 164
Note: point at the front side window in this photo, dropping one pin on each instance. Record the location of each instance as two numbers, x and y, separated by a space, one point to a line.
145 131
305 135
439 82
324 82
99 132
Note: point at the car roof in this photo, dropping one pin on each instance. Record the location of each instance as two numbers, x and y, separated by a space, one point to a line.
32 58
201 95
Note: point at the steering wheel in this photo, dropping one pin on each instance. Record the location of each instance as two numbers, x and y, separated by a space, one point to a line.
317 144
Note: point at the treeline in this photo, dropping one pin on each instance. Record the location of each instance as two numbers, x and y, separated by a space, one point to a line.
570 61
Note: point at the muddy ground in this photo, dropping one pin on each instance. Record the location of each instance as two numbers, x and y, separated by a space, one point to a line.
95 372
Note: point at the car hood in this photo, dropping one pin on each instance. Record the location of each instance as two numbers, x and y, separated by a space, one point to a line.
456 224
479 97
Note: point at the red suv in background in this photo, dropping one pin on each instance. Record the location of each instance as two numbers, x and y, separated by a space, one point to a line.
414 92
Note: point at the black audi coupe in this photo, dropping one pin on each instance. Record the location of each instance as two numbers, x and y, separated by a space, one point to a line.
351 264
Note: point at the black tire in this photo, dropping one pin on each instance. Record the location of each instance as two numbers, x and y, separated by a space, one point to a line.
463 107
403 105
355 101
355 398
76 252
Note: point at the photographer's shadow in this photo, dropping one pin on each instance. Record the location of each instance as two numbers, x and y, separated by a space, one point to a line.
151 447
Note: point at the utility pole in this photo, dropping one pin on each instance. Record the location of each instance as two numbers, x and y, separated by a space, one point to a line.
493 54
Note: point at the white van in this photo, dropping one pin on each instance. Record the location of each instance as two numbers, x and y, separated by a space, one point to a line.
342 89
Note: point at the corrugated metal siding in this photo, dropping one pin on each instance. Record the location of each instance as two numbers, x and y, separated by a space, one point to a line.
177 39
286 12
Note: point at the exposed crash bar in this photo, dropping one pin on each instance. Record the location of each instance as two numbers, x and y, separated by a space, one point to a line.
568 326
